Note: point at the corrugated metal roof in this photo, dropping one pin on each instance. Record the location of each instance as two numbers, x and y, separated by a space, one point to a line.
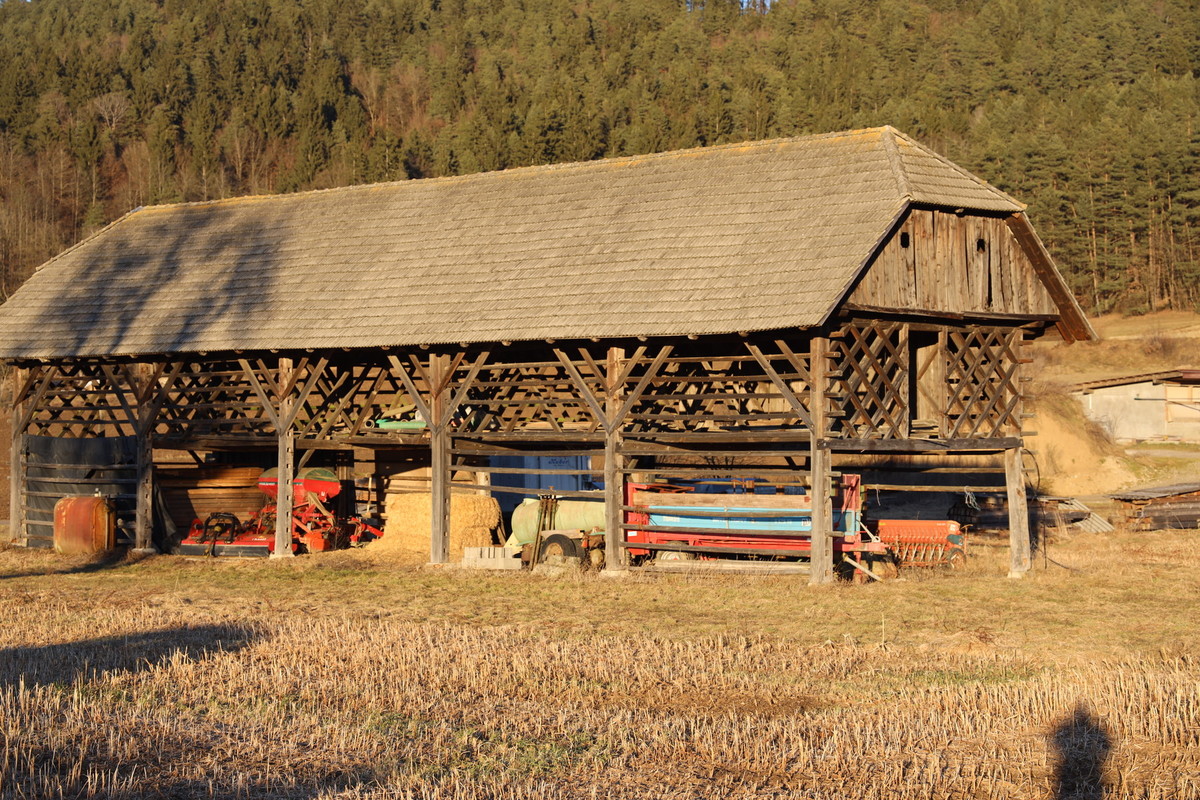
1092 523
752 236
1165 376
1157 492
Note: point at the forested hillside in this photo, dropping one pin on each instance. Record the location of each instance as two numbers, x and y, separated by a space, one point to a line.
1085 109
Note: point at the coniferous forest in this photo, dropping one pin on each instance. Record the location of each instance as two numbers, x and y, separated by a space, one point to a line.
1085 109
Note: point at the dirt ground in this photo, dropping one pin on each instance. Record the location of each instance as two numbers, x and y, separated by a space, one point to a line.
335 676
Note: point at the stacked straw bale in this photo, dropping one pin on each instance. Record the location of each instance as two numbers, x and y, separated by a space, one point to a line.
406 532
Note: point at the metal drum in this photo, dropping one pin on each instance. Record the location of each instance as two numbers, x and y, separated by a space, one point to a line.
84 525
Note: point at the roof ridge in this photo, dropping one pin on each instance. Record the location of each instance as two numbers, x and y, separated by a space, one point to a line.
896 163
522 170
960 170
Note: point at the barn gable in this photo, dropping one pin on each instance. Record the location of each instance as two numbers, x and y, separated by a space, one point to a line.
938 259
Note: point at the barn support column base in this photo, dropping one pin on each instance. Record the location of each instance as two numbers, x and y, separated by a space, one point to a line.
1020 556
285 483
614 498
821 555
613 416
285 486
819 459
143 525
439 528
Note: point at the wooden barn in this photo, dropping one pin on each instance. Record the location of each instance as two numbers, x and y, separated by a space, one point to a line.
780 303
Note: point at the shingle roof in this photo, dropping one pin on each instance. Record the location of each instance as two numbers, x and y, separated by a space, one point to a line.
753 236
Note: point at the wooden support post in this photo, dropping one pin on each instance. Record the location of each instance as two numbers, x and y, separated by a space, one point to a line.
286 458
439 443
16 508
614 476
944 391
143 526
821 558
437 408
1018 515
614 498
439 529
147 411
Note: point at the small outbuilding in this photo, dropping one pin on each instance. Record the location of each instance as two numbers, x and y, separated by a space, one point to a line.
784 303
1149 406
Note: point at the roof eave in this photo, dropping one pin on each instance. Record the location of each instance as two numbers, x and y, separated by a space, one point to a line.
1073 324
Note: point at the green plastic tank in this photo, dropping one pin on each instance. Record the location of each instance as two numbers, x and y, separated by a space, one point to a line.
583 515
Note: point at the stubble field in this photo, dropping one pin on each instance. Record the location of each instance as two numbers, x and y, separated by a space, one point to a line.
340 677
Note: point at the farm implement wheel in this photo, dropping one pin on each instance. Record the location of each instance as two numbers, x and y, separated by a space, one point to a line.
956 558
556 544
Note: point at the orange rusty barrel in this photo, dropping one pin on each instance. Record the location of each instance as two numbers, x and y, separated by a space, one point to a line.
83 525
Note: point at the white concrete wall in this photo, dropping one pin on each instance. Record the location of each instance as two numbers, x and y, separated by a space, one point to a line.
1145 411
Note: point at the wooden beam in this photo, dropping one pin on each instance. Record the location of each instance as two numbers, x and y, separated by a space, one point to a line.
21 388
366 405
410 386
31 406
143 524
781 385
990 445
463 387
614 477
1020 557
584 390
1073 324
943 316
21 379
286 458
118 388
617 419
267 403
821 553
296 402
440 445
332 415
150 395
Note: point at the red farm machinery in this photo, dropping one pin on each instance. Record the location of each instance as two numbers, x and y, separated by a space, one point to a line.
315 528
669 523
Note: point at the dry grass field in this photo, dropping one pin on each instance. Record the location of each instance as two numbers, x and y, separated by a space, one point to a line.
339 677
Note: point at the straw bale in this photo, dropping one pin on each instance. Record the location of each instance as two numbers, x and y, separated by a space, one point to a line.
406 533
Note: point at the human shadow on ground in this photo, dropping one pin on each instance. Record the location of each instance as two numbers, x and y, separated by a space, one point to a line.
1081 745
64 663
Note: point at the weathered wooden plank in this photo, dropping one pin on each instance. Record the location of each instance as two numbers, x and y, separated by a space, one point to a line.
616 407
982 445
1020 556
286 463
821 559
440 372
22 379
